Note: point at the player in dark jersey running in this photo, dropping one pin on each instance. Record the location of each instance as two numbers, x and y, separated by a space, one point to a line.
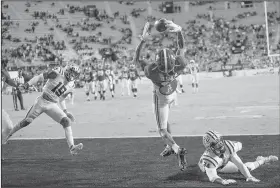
163 73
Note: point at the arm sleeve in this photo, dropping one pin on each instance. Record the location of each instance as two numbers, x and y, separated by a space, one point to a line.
139 62
212 174
36 79
180 40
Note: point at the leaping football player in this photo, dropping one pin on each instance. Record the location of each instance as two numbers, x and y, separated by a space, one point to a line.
133 75
194 75
163 73
111 79
124 80
7 124
101 81
221 156
49 102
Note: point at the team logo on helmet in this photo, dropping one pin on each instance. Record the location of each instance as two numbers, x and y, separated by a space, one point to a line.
165 60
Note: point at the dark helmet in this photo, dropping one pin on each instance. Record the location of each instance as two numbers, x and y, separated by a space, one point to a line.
165 60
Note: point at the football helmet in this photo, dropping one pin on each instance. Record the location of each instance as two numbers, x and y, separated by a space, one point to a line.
165 60
71 72
213 141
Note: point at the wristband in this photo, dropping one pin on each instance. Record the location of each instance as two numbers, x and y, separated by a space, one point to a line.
65 111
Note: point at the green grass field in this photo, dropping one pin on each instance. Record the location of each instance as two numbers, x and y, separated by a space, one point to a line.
245 109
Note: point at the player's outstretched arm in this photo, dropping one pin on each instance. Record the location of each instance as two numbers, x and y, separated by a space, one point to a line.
143 37
41 77
211 172
242 167
9 81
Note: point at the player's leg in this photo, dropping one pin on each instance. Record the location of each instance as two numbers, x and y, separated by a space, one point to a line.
111 86
162 113
180 80
92 89
33 113
104 88
59 116
14 93
196 82
87 87
122 81
193 83
20 98
261 161
135 87
127 86
7 125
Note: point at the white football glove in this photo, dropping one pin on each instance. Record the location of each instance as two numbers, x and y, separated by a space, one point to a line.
70 116
172 27
145 32
229 181
253 179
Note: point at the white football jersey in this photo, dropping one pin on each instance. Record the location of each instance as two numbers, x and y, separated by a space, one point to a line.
55 88
209 158
193 68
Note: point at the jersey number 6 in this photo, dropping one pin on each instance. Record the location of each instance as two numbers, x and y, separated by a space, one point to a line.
59 89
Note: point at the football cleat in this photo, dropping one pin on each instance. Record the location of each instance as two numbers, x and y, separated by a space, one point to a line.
166 152
76 148
181 156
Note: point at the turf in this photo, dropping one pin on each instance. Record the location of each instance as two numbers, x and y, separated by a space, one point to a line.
124 163
244 105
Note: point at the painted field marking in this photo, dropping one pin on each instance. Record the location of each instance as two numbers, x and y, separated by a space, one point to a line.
225 117
253 107
151 136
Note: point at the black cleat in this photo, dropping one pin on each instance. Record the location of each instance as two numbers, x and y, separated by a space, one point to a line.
166 152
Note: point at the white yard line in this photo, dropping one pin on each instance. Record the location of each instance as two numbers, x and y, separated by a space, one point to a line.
113 137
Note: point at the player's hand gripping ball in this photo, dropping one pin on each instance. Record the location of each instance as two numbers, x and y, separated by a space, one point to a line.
161 25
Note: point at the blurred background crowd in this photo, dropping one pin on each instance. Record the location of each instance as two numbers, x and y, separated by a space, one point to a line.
38 35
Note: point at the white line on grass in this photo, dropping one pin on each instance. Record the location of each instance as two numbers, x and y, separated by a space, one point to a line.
151 136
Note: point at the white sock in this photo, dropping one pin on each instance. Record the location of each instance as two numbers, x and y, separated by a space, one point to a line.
175 148
69 136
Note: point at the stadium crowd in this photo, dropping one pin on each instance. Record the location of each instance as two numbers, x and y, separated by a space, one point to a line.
212 44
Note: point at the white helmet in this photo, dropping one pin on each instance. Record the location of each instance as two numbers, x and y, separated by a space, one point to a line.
213 140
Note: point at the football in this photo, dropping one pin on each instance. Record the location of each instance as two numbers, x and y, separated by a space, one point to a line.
160 25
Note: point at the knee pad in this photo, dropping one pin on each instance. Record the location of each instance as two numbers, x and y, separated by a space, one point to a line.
192 84
87 93
25 122
181 85
65 122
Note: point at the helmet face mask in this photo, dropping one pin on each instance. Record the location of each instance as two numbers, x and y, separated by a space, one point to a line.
72 72
165 59
218 148
214 142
